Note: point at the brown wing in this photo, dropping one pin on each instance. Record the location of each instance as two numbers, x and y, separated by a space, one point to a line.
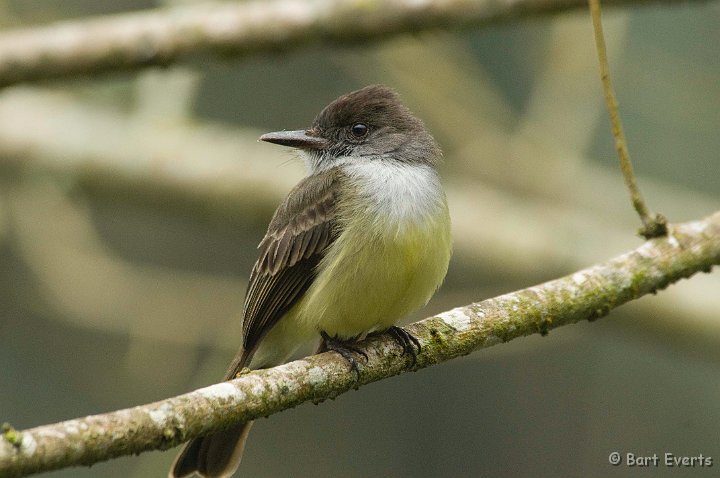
297 237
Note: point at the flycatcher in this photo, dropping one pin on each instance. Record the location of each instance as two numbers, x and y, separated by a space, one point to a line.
359 243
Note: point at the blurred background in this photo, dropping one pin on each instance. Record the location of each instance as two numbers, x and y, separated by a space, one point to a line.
131 205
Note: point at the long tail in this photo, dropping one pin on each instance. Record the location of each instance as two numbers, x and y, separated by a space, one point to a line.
217 455
213 456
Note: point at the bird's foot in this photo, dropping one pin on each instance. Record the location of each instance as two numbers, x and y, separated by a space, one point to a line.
407 341
345 347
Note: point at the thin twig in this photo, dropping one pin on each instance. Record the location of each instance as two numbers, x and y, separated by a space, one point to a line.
585 295
654 225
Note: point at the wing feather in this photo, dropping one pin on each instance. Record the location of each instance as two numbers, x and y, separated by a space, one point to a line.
298 235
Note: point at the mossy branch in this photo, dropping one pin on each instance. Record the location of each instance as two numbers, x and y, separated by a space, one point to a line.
168 35
585 295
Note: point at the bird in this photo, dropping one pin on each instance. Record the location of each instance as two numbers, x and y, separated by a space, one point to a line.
358 244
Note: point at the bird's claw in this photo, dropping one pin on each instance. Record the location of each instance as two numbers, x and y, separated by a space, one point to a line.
407 341
346 348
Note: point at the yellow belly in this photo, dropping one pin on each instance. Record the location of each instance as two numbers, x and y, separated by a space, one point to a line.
375 274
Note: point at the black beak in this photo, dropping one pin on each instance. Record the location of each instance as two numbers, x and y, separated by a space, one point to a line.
302 139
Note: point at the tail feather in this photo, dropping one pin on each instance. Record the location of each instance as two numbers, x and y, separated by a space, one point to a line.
218 455
213 456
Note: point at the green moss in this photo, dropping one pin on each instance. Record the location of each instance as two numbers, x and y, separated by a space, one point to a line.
13 436
168 433
436 338
505 331
544 325
638 279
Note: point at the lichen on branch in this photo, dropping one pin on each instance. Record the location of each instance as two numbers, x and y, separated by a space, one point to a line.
584 295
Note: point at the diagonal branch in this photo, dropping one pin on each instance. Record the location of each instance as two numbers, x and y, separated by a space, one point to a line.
164 36
585 295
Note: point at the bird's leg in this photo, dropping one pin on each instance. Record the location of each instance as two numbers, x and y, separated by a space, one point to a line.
346 348
407 341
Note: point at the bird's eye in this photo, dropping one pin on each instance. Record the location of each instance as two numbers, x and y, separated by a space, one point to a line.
359 130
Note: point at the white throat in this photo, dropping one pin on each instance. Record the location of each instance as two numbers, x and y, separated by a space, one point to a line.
396 191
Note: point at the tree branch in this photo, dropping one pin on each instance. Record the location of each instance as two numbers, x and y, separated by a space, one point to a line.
165 36
585 295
